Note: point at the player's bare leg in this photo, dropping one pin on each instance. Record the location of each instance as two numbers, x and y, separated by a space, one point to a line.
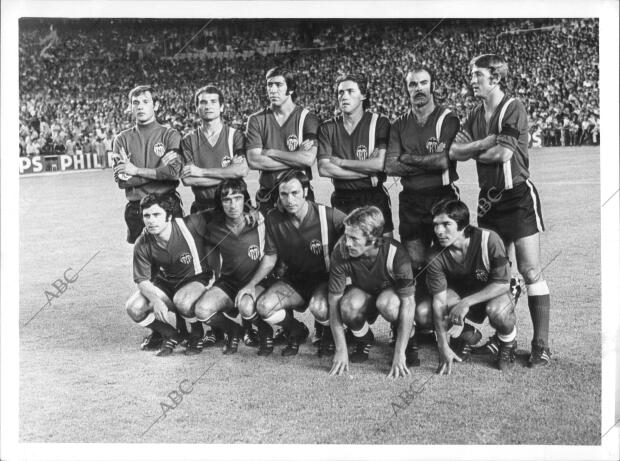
462 345
538 299
319 308
417 251
216 309
501 313
140 310
388 305
184 300
354 307
275 307
247 310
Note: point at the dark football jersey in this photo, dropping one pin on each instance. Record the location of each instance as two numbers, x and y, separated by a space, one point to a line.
334 140
264 131
197 150
477 270
241 254
392 268
150 146
302 249
513 135
181 258
407 136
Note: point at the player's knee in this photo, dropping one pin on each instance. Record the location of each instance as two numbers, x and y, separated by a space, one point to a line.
424 314
184 305
266 305
203 309
351 310
246 307
500 313
388 305
136 309
531 274
319 309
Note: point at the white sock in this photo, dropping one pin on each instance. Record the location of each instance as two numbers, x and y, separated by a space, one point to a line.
362 331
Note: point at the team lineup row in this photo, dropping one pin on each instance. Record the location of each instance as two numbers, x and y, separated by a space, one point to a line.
290 253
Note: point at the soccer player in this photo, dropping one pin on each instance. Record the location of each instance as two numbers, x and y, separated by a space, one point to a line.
495 134
281 137
352 151
213 152
301 233
381 283
239 236
468 276
169 269
418 153
147 159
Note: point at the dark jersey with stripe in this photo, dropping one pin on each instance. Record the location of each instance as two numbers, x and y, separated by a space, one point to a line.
301 249
241 254
197 150
473 274
514 136
407 136
150 146
180 259
264 131
334 140
376 277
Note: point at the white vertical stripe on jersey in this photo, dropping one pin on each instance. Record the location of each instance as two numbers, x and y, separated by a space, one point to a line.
231 138
445 174
507 166
302 119
389 264
372 130
484 249
324 235
261 233
191 244
535 202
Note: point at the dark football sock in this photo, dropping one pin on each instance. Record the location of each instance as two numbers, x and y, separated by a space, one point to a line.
196 330
164 329
539 311
263 327
289 323
221 322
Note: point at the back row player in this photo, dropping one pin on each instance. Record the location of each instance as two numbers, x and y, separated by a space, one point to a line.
284 136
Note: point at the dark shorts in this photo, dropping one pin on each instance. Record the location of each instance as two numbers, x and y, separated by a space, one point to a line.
348 200
231 286
202 205
305 286
133 217
266 199
515 215
416 220
170 288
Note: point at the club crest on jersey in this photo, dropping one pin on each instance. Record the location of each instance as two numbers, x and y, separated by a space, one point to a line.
315 247
292 142
431 145
159 149
226 161
482 275
361 152
253 252
186 258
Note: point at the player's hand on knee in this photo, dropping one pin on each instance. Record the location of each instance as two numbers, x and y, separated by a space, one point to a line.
399 368
249 290
458 312
446 357
160 310
340 364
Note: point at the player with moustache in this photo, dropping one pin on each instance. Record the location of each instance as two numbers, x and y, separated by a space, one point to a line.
281 137
495 135
170 271
147 159
381 282
237 232
302 234
418 152
352 151
468 277
213 153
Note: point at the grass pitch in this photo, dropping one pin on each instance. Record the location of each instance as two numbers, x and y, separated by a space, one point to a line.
84 379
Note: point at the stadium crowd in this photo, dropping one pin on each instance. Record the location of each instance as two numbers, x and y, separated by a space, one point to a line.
75 74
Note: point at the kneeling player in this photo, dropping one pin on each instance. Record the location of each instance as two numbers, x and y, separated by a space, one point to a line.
468 276
167 266
239 239
302 234
381 283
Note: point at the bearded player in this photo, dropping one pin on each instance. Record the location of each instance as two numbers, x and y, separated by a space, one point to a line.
352 151
147 159
280 137
495 135
418 153
169 269
213 152
302 234
468 276
381 282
